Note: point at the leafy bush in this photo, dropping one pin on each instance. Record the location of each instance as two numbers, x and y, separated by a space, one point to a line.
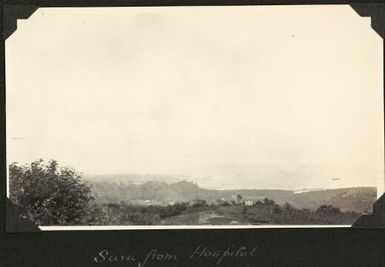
199 203
173 210
328 209
267 201
51 194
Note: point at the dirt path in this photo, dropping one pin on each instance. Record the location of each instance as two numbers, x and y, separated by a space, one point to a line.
205 217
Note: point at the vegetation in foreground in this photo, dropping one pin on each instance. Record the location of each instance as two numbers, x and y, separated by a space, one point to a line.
53 195
266 212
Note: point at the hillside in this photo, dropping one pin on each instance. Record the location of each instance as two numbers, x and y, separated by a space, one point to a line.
359 199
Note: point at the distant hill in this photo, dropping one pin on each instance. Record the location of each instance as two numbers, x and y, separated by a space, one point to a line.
359 199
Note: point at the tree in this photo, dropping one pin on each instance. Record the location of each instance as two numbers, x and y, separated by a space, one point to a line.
288 207
199 203
51 194
328 209
267 201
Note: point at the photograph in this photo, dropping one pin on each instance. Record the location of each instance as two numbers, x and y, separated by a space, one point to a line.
194 117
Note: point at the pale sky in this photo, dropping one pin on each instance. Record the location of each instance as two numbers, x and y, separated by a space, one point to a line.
234 97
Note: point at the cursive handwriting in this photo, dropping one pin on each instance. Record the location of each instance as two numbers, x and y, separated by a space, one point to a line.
232 251
153 256
105 256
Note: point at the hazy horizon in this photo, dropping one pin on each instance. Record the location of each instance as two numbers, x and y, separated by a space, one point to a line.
235 98
169 179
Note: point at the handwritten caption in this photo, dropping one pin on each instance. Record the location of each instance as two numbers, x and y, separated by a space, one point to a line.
154 256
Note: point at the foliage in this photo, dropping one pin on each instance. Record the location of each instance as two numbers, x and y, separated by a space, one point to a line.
223 202
51 194
200 203
173 210
267 201
123 214
328 209
183 213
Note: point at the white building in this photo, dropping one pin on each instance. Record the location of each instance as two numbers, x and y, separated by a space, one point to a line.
249 203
